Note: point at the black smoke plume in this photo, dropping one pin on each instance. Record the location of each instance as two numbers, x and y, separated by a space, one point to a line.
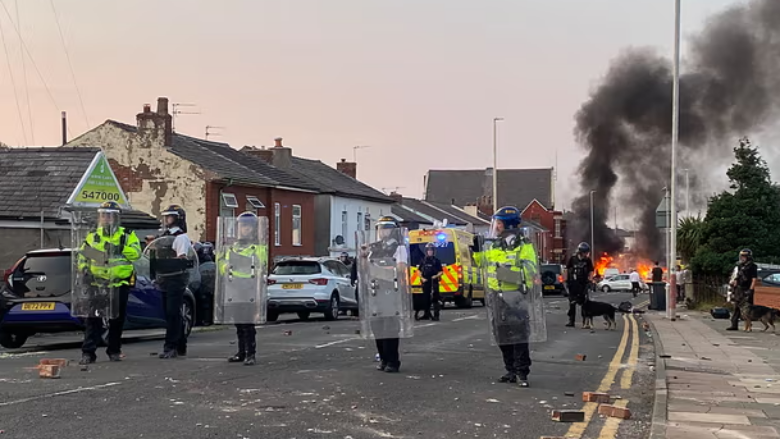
730 84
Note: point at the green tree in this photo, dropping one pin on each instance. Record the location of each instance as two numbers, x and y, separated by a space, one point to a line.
747 216
689 233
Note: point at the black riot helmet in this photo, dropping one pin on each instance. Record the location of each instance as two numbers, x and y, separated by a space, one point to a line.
745 255
385 226
583 249
179 215
429 247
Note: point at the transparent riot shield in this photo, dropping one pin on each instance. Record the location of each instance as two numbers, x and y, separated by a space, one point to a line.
383 285
94 286
242 261
513 294
167 270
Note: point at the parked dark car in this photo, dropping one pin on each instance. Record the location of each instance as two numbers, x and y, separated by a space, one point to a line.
36 298
552 279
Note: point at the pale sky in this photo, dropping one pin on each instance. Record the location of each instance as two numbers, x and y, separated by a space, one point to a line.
419 81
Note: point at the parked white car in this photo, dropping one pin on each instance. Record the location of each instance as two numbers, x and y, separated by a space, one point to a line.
618 282
310 285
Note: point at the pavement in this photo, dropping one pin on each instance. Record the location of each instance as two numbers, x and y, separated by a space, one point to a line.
713 383
317 379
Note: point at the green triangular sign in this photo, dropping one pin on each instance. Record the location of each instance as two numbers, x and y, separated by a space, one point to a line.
98 185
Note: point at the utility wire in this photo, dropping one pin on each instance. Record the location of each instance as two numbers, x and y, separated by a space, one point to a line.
13 81
32 60
70 64
24 72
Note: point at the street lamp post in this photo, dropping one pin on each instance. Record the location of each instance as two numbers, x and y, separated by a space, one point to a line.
687 192
592 235
672 268
495 166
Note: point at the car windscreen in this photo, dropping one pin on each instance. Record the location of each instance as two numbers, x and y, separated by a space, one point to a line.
553 268
445 251
292 268
46 275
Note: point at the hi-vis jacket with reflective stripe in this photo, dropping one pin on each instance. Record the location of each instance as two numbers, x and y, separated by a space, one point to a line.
116 268
521 258
257 250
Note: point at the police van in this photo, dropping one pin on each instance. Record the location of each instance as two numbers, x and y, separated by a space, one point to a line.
461 282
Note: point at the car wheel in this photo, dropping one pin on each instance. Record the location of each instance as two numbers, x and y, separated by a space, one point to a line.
272 316
187 316
304 315
13 340
332 311
606 289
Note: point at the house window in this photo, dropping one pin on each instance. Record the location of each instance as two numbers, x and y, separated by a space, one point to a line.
344 225
296 224
557 228
359 222
227 208
255 202
368 222
277 224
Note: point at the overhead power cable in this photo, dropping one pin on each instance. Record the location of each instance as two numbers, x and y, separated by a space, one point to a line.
70 64
24 73
13 81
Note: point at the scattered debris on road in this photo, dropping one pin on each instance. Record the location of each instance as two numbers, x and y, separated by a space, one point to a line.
614 412
601 398
580 357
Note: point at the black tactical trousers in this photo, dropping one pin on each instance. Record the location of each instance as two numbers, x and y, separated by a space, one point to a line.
577 294
173 299
431 298
517 359
388 351
247 339
93 330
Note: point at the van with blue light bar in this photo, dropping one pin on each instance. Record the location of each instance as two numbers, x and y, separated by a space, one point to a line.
461 282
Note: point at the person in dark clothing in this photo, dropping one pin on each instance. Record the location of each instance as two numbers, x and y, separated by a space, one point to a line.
743 286
579 273
658 273
430 272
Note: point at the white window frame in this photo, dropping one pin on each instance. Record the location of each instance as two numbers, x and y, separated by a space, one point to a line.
297 225
557 228
229 200
345 226
277 224
255 202
227 209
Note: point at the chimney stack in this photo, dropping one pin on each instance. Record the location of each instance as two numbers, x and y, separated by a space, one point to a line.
159 124
397 197
282 155
348 168
263 154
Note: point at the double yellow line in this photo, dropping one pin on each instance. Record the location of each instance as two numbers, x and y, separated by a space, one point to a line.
611 425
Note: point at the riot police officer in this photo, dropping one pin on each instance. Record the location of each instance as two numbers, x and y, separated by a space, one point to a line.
248 245
515 311
743 286
118 248
430 272
579 274
174 286
388 315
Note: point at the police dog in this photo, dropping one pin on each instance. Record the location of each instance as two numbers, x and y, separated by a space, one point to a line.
763 314
592 309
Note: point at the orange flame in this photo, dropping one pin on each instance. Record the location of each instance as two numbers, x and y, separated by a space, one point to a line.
603 263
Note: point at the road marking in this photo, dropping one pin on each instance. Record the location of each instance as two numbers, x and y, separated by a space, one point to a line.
633 356
474 317
66 392
611 425
425 325
336 342
578 428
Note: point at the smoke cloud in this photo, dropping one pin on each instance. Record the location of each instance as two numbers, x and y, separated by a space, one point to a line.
730 85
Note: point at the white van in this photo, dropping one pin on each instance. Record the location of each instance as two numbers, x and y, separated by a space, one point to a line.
609 272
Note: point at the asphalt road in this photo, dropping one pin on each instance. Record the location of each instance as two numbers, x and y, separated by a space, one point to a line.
319 381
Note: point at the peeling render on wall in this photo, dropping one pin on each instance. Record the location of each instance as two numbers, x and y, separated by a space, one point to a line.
152 177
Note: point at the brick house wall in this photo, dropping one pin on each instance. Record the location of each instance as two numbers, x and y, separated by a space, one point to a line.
553 247
269 197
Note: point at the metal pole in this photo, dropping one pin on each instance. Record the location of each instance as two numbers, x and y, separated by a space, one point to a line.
592 238
64 116
671 309
495 166
687 193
